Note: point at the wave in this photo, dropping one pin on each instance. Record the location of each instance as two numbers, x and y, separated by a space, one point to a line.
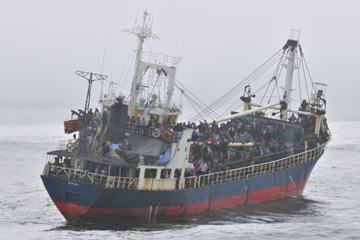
344 147
46 133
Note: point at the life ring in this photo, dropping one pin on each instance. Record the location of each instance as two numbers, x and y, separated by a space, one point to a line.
156 133
167 136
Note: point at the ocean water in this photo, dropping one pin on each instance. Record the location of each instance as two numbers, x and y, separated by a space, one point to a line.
328 209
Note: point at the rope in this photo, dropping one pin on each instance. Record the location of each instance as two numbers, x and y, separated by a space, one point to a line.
266 92
299 84
238 90
239 86
229 93
276 76
205 107
312 83
307 90
253 76
191 104
239 103
130 57
276 82
252 80
190 100
200 107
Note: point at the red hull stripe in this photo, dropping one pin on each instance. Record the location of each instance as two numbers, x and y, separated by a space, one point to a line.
72 212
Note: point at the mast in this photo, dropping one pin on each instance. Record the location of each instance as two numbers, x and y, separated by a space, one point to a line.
290 65
91 77
142 32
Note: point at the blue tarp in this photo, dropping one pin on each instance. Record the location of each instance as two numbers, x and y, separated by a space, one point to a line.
115 146
164 158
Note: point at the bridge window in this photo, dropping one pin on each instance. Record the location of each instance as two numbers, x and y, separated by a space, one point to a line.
165 173
150 173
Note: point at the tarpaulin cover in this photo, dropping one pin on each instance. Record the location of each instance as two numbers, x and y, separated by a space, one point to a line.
146 146
115 131
164 158
115 146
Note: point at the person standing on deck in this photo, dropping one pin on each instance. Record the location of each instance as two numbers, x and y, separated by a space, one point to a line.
97 114
203 167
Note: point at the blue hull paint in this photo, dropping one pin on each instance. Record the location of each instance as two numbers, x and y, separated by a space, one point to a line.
92 196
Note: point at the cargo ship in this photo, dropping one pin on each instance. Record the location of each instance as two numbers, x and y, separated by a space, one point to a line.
133 161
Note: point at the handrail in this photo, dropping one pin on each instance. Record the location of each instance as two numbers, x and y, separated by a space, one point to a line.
254 170
147 130
262 157
193 181
89 177
63 144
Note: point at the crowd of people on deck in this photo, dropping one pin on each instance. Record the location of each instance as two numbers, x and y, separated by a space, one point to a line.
210 150
90 143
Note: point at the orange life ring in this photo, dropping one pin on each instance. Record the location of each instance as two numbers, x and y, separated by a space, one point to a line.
156 133
167 136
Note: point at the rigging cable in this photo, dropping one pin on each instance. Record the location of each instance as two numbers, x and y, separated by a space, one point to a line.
312 83
191 104
306 85
239 103
275 78
225 97
276 82
252 80
204 105
189 98
253 76
130 58
298 72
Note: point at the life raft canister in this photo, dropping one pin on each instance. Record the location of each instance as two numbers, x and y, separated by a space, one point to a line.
156 133
167 136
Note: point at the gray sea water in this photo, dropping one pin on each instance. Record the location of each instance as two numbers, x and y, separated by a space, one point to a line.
328 209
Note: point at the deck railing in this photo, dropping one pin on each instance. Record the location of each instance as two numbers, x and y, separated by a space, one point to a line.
254 170
191 182
149 131
89 177
63 144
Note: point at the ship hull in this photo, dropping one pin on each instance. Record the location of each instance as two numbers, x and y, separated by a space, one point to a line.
86 202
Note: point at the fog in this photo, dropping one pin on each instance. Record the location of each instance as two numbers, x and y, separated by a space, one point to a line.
43 43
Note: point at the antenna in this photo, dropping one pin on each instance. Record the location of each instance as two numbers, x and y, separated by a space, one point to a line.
142 32
91 77
102 64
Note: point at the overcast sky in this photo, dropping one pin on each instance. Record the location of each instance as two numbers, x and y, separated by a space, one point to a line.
43 43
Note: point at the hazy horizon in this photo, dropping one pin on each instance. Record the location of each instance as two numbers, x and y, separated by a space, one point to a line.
45 42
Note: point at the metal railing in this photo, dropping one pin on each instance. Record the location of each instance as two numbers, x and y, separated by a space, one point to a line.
63 144
149 131
111 97
107 181
89 177
254 170
67 145
158 58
